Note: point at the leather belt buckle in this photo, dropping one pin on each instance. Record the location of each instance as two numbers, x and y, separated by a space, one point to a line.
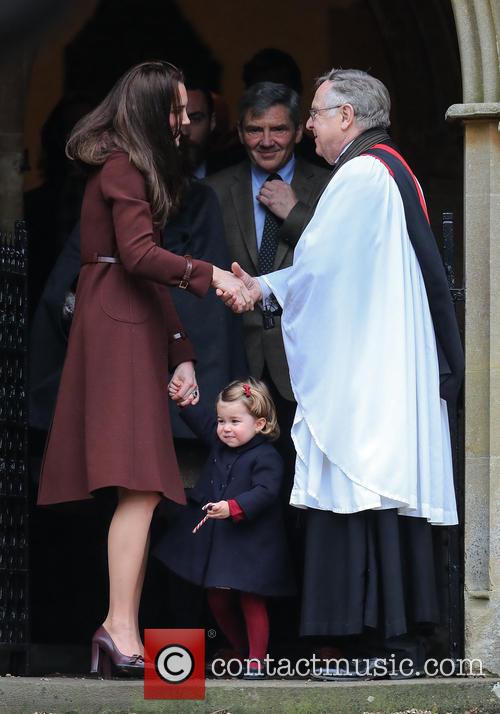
184 283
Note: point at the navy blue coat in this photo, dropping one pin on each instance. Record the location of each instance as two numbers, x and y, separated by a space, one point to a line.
250 555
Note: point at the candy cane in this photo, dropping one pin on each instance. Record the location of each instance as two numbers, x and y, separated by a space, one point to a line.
199 525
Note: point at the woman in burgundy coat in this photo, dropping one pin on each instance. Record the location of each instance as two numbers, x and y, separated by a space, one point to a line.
111 425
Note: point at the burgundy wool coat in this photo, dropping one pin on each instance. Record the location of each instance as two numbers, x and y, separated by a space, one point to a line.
111 424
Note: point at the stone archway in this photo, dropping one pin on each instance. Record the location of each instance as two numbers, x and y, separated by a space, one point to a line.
478 26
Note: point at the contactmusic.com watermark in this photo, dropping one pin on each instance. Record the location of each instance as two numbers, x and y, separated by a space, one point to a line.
175 666
370 666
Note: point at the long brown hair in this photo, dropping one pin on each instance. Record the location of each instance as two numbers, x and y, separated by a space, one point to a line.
134 117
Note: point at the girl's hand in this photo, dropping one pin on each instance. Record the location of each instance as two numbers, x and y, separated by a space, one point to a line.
183 388
217 510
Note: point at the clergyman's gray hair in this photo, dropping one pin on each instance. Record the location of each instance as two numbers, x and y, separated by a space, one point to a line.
368 96
260 97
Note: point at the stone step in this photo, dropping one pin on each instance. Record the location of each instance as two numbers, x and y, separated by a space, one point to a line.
60 695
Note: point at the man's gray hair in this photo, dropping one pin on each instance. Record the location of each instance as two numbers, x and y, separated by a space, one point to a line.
260 97
368 96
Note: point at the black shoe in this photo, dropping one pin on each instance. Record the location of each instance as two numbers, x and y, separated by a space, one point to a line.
353 669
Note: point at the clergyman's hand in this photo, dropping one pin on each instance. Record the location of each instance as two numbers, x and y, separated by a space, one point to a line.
250 283
232 290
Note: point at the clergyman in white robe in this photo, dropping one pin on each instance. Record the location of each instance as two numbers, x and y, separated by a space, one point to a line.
370 431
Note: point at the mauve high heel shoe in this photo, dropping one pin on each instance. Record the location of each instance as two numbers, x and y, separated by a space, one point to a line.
106 656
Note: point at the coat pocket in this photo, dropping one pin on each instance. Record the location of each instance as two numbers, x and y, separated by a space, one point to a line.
125 298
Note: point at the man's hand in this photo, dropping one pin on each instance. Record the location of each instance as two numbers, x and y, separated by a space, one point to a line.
279 197
232 290
217 510
183 388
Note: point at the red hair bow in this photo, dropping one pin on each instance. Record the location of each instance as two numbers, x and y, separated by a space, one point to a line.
247 390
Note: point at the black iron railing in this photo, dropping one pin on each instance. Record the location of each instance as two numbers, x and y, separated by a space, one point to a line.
14 581
455 548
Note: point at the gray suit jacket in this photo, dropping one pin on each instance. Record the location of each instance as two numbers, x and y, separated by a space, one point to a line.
233 187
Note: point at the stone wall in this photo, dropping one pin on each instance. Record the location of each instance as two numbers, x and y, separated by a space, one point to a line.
478 27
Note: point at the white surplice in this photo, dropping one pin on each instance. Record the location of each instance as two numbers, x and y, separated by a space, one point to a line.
370 430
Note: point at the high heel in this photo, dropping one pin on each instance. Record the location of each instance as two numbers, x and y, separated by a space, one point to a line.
106 654
100 664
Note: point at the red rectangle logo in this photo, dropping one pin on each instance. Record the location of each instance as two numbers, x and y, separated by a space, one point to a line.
174 664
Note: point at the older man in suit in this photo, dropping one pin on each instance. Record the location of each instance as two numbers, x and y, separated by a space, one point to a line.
265 200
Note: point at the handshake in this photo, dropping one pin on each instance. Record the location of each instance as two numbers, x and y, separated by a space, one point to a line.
238 290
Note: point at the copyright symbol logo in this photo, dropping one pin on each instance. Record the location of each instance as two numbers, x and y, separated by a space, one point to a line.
174 664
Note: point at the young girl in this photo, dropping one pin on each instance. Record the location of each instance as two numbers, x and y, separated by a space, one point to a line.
239 554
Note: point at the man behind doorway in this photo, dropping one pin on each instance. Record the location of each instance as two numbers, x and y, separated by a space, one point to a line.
265 200
195 141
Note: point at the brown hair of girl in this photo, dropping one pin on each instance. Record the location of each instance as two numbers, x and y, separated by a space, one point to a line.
134 117
255 396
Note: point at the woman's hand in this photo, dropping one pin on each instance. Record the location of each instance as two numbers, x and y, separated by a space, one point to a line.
217 510
232 290
183 388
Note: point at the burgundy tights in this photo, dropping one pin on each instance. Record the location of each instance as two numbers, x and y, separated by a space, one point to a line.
243 619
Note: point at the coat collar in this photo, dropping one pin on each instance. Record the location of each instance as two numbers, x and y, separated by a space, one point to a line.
257 440
241 192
